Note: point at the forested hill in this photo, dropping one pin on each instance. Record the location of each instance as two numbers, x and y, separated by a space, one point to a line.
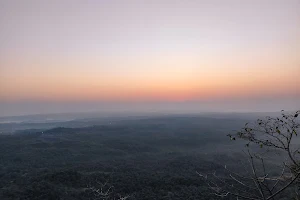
153 158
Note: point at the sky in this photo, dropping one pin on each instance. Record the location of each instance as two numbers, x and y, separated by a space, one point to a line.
187 55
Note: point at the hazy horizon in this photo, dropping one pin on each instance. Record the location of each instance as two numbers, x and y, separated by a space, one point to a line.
239 106
137 56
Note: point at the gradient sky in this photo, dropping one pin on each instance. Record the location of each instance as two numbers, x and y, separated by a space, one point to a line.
225 55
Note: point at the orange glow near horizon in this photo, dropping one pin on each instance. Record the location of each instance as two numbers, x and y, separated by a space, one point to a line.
163 80
104 51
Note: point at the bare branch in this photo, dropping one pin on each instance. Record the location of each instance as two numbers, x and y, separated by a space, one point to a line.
286 186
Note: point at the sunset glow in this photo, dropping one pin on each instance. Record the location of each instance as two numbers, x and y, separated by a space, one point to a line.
129 51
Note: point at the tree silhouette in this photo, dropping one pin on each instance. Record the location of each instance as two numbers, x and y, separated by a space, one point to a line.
272 138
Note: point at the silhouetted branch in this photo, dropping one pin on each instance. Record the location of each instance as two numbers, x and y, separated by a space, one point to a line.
276 134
